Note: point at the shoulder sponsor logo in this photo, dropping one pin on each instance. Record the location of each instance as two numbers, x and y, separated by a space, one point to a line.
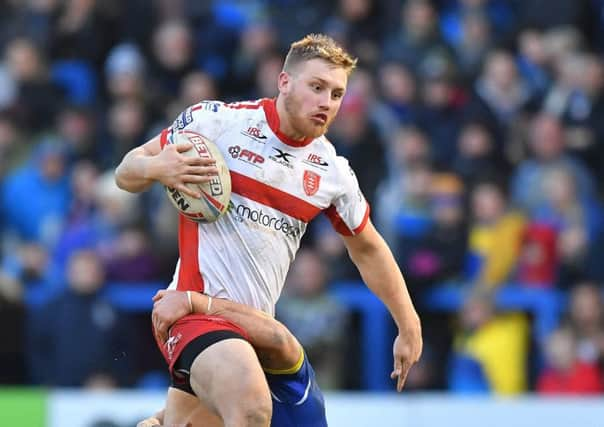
315 160
210 106
183 120
245 155
311 182
258 217
282 157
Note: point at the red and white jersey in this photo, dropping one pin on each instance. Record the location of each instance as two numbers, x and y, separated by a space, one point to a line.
278 186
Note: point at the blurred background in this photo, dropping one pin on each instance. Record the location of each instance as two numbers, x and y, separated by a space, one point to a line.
476 130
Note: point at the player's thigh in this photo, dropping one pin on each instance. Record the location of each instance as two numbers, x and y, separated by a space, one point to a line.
228 377
186 409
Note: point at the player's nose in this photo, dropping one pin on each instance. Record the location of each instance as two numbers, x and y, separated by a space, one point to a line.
324 100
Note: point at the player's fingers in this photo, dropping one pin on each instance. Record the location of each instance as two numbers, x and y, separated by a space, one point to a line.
183 146
163 335
197 179
159 331
159 295
202 170
154 322
186 190
200 161
396 371
403 376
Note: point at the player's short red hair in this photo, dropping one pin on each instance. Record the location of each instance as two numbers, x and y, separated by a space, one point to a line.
318 46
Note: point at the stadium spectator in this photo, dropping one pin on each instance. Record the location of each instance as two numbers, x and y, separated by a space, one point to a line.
546 142
356 138
38 97
76 339
318 320
35 197
495 236
416 38
586 322
476 156
565 373
490 349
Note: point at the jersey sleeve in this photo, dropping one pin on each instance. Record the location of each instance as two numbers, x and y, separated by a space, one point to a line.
349 210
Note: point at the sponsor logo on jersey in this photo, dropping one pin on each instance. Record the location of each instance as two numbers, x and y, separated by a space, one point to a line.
243 213
210 106
254 131
316 160
282 157
183 120
245 155
311 182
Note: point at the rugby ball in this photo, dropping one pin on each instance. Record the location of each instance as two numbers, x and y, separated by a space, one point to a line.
215 194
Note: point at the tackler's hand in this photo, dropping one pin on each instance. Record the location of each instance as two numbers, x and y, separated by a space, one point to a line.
168 307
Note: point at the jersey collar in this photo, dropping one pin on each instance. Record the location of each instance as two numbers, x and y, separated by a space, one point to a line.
272 117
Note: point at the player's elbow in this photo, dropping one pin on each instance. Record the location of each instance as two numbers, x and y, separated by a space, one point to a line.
119 179
123 183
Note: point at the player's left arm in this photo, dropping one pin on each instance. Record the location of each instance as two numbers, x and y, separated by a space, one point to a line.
380 272
275 345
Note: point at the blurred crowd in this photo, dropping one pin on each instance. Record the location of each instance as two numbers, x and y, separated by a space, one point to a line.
475 127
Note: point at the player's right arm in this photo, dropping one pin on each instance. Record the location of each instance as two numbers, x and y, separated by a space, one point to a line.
275 345
149 163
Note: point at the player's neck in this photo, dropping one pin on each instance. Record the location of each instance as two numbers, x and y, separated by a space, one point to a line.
285 126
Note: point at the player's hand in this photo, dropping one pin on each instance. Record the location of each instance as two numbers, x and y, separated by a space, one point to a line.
174 169
168 307
149 422
407 350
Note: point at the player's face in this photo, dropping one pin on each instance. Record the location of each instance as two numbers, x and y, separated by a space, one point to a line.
312 95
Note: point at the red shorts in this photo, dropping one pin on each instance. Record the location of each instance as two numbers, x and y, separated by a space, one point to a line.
190 327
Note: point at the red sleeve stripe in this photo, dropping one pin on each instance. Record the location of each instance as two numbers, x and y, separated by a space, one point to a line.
273 198
340 226
189 276
247 105
163 138
364 222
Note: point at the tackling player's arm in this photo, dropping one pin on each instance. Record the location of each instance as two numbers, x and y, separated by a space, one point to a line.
379 271
148 163
275 345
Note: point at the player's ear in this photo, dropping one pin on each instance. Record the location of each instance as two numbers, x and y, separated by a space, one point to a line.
284 82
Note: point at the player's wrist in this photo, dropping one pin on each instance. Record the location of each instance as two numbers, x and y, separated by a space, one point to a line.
149 168
200 303
203 304
190 302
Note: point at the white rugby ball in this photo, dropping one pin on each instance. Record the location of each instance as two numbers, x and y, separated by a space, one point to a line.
215 194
